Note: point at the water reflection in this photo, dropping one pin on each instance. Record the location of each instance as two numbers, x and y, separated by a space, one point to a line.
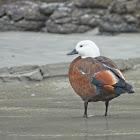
86 128
88 134
107 128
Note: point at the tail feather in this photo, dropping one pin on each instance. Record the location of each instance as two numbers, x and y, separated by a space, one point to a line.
128 88
123 87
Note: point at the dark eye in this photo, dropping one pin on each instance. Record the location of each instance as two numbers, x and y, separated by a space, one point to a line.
81 46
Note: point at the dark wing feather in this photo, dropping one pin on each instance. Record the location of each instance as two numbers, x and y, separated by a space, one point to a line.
108 63
121 86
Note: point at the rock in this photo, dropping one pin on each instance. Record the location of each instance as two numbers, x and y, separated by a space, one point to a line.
58 28
20 73
125 6
100 12
23 25
117 28
2 2
94 22
33 12
61 12
14 12
77 13
51 70
86 18
107 27
131 19
65 28
49 8
123 16
2 11
10 79
28 25
72 16
70 4
82 29
90 20
48 1
93 3
16 78
21 15
20 69
71 20
35 75
7 25
51 27
25 9
113 17
63 20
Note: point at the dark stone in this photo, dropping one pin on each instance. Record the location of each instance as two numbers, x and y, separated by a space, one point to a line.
93 3
90 20
61 12
117 28
29 25
7 25
51 26
2 11
85 19
78 12
49 8
114 18
63 20
65 28
94 22
98 11
123 16
15 12
82 29
131 19
125 6
58 28
25 9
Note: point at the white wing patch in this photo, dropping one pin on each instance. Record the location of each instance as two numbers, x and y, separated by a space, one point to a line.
82 72
114 76
120 74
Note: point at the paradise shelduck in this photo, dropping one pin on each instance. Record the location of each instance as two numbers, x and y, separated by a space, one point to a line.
94 77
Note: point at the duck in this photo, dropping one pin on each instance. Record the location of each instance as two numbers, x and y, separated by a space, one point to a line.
94 77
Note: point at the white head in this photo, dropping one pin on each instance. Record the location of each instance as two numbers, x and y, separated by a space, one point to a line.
86 48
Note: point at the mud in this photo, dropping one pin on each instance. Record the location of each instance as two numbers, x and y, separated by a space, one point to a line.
51 110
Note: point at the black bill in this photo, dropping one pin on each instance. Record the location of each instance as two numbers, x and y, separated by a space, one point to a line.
73 52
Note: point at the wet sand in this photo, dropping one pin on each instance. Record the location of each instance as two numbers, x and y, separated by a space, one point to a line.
50 110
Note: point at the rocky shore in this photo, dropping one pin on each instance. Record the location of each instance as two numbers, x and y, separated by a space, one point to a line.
74 16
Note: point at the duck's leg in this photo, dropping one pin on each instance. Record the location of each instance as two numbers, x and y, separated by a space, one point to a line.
85 107
106 105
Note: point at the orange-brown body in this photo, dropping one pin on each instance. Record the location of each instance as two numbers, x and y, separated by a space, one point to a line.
81 72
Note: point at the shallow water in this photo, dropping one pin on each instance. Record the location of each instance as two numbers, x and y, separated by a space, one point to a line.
51 110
